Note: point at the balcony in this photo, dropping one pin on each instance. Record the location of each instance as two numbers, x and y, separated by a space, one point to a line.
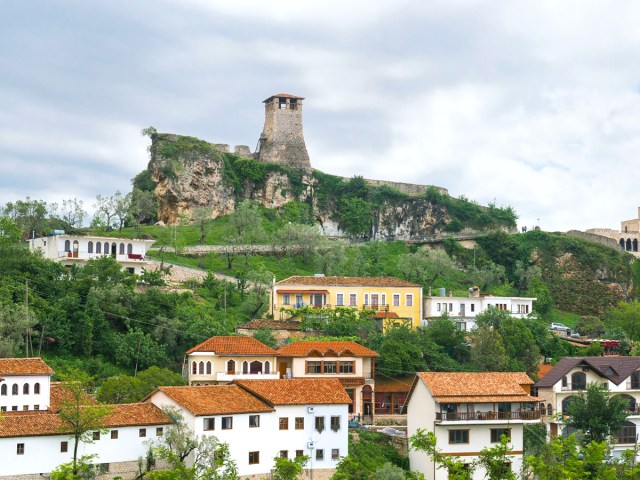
577 387
473 416
633 385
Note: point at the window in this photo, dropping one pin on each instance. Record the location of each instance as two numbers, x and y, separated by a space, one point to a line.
578 381
25 389
90 247
366 299
36 407
64 447
227 423
283 423
208 368
267 367
473 307
450 307
254 421
330 367
335 423
346 367
201 368
299 423
106 248
129 249
254 458
496 434
14 389
96 435
245 367
353 300
335 453
409 300
98 247
635 380
25 407
231 367
284 453
20 449
627 433
299 453
121 251
458 436
299 300
194 368
14 408
142 432
36 388
67 245
319 424
339 299
320 454
208 424
114 434
3 409
437 307
3 389
286 299
104 467
159 431
395 299
314 367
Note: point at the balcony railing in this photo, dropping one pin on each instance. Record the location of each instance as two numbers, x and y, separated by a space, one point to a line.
580 386
466 416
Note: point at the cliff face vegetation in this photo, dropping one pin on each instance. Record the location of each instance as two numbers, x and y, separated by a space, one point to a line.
192 174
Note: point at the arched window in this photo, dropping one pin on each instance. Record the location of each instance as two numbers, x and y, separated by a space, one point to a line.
90 247
129 249
194 368
564 381
106 248
549 409
631 402
67 245
267 367
565 404
635 381
122 249
14 389
578 381
3 389
25 389
245 367
231 367
208 368
628 245
255 367
201 368
627 433
622 243
635 244
98 247
36 388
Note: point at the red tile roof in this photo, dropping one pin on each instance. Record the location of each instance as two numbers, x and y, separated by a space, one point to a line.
298 391
383 315
24 366
45 423
326 349
233 346
214 399
347 281
59 394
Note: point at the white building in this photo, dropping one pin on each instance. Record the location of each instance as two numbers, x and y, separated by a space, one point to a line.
464 310
263 419
571 375
78 249
223 359
467 412
32 445
24 384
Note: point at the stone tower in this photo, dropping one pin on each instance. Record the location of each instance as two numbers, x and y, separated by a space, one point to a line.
282 140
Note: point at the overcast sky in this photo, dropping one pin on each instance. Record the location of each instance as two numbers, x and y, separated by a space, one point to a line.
530 104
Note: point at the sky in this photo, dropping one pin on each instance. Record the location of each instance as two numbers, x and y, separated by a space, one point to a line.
533 105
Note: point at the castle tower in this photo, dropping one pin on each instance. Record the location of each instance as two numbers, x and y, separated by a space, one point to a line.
282 140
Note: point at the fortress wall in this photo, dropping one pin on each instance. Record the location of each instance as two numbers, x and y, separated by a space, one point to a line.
595 238
407 188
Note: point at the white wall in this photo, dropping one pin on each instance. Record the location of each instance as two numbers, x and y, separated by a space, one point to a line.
21 400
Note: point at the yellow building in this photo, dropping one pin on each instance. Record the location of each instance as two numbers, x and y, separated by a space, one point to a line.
390 297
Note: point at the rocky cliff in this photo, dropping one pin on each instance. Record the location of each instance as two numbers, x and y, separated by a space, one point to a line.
190 173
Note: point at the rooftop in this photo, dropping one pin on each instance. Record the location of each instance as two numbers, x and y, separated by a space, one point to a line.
325 348
24 366
347 281
233 346
214 399
283 95
298 391
616 369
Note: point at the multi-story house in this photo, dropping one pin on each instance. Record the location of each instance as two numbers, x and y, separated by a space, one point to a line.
223 359
467 412
464 310
78 249
391 298
349 362
571 375
24 384
264 419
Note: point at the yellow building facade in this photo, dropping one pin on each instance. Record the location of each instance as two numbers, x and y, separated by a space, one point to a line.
391 298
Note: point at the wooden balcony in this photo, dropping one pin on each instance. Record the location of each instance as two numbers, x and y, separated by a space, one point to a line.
472 416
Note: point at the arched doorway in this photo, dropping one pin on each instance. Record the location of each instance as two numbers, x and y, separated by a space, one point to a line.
628 245
255 367
635 244
622 243
114 250
76 249
367 400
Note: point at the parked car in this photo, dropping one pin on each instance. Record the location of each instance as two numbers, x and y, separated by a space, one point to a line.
558 326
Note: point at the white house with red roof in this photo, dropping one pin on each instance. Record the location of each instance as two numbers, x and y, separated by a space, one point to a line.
469 411
263 419
24 384
223 359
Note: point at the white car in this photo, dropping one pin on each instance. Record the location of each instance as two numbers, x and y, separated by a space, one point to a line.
558 326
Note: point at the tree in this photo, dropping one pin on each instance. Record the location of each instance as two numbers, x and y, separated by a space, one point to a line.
356 215
488 353
627 317
10 233
81 417
143 208
29 215
400 350
489 274
265 336
288 469
444 332
121 389
497 460
595 414
16 329
85 469
590 326
72 212
200 216
426 266
105 212
389 471
122 205
424 441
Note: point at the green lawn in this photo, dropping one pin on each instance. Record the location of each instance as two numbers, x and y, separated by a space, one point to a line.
569 319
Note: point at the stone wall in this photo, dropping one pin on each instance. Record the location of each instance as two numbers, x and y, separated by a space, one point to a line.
603 236
412 189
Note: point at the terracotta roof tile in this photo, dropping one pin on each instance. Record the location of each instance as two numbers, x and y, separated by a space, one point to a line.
267 323
387 315
326 348
475 384
45 423
215 399
347 281
24 366
489 399
543 369
233 346
298 391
